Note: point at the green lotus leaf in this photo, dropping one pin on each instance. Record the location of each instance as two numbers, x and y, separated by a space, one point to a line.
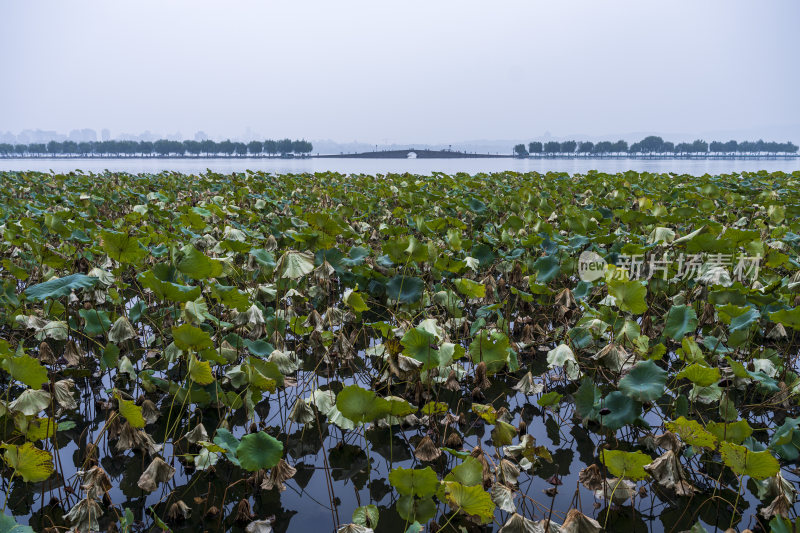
588 400
630 296
624 410
226 440
366 515
757 465
259 450
503 433
679 321
420 345
787 317
735 432
549 399
469 288
692 433
356 302
166 290
744 320
96 322
700 375
59 287
645 381
562 355
414 482
122 247
231 297
471 500
188 337
361 405
263 258
546 267
26 369
405 289
200 371
259 347
9 525
196 265
468 473
131 411
624 464
415 510
490 348
28 461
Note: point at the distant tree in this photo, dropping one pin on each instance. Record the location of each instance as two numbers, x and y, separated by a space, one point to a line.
668 147
37 148
255 147
240 148
69 147
161 147
535 147
226 147
285 146
192 147
603 147
730 147
54 147
569 147
620 147
585 147
146 148
208 147
301 147
20 149
520 150
652 144
552 147
271 147
699 147
85 148
6 149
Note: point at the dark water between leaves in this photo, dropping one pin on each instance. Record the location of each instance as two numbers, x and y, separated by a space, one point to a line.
338 470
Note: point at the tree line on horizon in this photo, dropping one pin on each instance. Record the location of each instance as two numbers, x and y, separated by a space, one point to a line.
162 147
654 145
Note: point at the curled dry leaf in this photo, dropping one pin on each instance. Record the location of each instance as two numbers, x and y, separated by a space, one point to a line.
426 450
157 472
277 475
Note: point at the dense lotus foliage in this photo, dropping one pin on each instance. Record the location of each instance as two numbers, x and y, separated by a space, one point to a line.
399 353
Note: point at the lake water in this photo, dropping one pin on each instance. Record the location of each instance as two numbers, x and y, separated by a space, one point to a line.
414 166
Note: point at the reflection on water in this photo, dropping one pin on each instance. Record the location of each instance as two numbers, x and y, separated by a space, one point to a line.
415 166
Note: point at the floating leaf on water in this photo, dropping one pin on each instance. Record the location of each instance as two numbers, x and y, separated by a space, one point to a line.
28 461
414 482
626 464
471 500
259 450
757 465
645 382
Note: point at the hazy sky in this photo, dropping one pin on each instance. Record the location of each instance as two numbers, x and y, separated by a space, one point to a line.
375 71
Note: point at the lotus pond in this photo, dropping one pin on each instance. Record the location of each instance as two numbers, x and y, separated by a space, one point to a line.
256 352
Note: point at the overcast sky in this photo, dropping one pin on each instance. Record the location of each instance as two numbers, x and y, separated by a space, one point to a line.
375 71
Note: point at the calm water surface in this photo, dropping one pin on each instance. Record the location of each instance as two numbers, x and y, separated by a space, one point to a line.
415 166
